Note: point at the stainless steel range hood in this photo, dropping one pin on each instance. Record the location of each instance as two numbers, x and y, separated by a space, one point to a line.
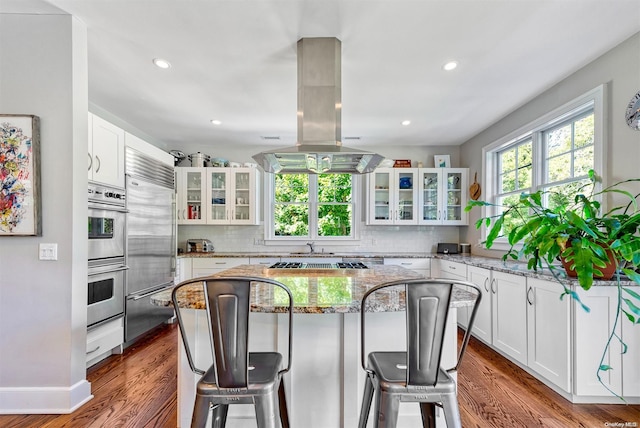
319 148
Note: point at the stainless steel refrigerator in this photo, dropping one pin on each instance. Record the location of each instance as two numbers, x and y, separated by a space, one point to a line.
151 241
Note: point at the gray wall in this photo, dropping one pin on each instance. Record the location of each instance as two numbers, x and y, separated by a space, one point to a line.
43 71
619 69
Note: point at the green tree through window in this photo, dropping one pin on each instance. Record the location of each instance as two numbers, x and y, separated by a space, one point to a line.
313 205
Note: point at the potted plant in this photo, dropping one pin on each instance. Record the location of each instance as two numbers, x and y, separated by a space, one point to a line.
548 226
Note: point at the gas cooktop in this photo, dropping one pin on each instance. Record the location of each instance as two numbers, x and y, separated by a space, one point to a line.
300 265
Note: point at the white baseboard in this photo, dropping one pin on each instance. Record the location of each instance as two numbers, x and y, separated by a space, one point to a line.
44 400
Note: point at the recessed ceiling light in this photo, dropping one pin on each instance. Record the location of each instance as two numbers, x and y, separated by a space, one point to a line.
161 63
406 122
451 65
216 122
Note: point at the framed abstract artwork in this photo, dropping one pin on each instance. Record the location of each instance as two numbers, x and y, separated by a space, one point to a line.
20 204
442 161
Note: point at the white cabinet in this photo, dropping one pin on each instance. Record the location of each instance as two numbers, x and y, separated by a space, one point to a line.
392 196
422 266
106 152
264 261
548 326
591 333
482 324
104 340
509 315
442 196
191 187
211 265
217 195
453 270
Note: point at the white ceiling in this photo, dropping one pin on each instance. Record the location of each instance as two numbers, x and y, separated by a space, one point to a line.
235 61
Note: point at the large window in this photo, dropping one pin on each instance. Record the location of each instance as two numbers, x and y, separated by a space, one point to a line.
553 154
309 206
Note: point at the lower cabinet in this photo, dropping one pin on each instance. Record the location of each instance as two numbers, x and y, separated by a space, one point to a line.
482 324
212 265
453 270
105 340
591 333
509 315
422 266
548 332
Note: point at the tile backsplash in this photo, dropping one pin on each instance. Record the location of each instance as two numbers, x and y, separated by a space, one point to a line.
373 239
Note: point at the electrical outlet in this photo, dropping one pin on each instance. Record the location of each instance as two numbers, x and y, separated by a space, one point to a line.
48 251
374 242
258 241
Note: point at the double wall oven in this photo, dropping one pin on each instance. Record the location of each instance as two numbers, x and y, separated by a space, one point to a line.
107 263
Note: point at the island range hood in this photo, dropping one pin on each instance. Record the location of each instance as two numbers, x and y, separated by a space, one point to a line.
319 148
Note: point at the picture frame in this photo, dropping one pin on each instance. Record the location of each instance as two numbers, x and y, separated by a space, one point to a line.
442 161
20 199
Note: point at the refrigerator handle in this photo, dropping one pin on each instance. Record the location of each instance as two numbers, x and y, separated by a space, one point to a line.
163 287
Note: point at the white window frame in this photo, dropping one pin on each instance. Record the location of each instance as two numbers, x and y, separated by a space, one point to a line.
269 229
592 99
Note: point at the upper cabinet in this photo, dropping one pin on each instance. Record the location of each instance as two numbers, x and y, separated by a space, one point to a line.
430 196
217 195
393 196
443 196
106 152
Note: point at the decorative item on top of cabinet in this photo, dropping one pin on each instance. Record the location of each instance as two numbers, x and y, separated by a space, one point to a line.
106 152
392 196
217 195
442 196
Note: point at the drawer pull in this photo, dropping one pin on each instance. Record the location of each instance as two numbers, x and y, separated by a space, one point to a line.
93 350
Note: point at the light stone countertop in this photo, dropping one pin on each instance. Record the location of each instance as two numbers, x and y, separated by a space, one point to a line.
496 264
317 291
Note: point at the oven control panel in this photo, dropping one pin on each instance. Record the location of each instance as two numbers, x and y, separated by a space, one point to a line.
103 194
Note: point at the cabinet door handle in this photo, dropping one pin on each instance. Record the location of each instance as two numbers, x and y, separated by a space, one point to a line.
93 350
493 290
90 162
529 301
486 288
98 161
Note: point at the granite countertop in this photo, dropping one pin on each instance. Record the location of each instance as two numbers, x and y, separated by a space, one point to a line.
496 264
316 291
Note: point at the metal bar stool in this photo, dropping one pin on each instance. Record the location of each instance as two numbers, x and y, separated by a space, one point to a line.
416 375
236 376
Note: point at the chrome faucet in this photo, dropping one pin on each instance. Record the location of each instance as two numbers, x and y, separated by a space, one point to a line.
312 247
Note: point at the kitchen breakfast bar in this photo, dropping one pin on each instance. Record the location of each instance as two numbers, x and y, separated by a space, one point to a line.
324 386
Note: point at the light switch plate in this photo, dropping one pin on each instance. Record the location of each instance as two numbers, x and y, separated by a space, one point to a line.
48 251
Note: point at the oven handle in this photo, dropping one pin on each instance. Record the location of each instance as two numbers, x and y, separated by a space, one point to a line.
105 269
95 206
165 286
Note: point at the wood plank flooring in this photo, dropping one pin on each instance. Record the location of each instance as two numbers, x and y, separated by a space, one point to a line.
138 390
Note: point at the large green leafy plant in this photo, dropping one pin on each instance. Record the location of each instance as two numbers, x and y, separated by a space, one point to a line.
546 226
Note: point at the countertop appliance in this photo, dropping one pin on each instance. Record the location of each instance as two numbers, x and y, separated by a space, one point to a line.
199 246
151 241
106 253
447 248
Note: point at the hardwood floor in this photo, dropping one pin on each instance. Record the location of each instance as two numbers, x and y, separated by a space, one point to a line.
138 390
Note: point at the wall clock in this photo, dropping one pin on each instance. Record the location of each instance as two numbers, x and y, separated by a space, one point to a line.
632 114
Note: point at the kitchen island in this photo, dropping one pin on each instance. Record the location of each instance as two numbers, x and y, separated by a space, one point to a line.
324 386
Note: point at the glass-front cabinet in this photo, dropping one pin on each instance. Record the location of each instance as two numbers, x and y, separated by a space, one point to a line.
393 196
217 195
191 184
443 196
233 196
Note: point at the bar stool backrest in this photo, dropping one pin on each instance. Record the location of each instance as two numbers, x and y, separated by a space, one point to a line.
427 308
228 303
